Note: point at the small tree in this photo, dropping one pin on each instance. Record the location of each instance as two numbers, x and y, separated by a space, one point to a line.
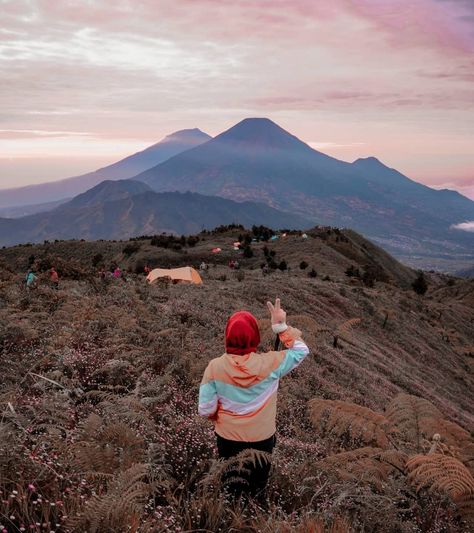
248 252
98 258
352 271
272 264
419 285
130 249
368 278
303 265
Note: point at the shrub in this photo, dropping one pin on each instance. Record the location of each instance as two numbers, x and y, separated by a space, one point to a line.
282 265
352 271
372 274
225 228
419 285
44 264
97 259
192 241
248 252
368 279
272 264
130 249
303 265
262 233
312 273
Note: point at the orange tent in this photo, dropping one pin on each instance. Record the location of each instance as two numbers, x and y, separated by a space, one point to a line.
183 274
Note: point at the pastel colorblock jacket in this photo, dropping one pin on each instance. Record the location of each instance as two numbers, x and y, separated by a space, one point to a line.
239 392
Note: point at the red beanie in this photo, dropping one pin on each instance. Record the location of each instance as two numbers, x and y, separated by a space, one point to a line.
241 334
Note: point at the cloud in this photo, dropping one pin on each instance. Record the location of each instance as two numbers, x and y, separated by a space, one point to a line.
465 226
15 134
389 74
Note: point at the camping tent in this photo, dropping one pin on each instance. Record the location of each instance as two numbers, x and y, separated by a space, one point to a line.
183 274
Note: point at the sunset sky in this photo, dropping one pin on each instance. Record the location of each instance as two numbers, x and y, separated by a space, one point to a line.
85 83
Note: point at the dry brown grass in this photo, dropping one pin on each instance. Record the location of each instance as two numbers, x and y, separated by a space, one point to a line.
99 390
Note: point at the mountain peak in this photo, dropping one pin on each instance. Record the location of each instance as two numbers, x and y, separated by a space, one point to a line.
188 135
261 131
368 161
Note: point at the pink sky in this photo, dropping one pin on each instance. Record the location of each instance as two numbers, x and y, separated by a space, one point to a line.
87 83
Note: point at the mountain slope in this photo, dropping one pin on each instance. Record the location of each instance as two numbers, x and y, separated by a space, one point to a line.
107 191
253 159
466 272
25 210
256 159
171 145
145 213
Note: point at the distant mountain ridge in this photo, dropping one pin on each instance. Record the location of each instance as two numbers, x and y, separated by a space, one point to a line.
107 191
171 145
257 159
131 212
466 272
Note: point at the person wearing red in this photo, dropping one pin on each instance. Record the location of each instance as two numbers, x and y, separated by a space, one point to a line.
53 276
238 392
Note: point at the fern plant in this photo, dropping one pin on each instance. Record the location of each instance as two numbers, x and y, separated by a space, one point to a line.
408 421
438 472
340 419
413 417
344 329
107 448
367 465
120 508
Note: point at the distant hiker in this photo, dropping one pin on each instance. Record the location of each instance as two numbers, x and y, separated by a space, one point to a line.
117 273
102 274
236 265
30 279
265 269
53 276
147 270
231 264
203 267
239 392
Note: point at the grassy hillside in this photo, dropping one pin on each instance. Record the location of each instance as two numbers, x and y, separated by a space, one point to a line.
99 430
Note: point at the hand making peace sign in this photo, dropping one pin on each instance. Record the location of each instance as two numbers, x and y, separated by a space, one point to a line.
277 313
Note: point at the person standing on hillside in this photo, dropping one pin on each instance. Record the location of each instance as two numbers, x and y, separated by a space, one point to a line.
30 279
53 276
238 392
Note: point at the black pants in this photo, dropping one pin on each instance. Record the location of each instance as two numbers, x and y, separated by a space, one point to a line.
253 479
